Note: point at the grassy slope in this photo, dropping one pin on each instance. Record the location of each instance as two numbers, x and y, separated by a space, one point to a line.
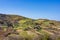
25 27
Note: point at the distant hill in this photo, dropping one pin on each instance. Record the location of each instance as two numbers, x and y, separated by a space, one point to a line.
4 18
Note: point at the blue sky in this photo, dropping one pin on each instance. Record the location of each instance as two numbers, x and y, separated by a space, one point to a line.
46 9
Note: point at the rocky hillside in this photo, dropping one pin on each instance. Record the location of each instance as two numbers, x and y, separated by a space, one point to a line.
14 27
